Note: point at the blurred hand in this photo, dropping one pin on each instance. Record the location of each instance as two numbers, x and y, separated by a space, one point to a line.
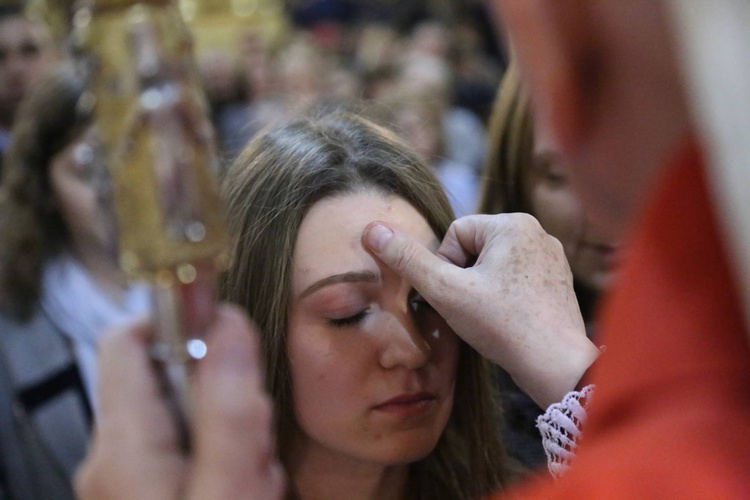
505 287
135 452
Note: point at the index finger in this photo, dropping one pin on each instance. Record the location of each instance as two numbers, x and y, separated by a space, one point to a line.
129 396
464 241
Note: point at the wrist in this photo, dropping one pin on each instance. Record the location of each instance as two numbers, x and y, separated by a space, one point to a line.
561 374
577 371
585 379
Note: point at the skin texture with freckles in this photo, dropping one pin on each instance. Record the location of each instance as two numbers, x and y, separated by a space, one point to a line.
343 371
481 293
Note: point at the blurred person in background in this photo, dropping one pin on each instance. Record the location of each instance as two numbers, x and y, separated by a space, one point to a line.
477 71
27 52
226 91
431 76
418 119
262 103
521 175
298 76
62 287
430 38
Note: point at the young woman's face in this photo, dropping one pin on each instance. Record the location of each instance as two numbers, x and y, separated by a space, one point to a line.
591 254
78 194
373 366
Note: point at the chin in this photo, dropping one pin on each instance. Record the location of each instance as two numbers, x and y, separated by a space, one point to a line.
402 450
602 281
593 282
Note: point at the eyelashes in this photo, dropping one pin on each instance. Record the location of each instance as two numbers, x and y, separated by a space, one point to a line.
350 320
417 305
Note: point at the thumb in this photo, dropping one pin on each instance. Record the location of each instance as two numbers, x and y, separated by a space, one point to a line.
408 258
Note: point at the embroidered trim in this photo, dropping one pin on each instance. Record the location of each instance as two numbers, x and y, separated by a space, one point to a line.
561 426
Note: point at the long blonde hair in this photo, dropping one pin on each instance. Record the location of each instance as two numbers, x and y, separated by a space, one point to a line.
511 146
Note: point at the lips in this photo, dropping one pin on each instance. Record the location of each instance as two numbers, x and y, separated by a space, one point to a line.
606 249
407 405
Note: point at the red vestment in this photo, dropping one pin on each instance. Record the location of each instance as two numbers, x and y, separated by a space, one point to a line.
671 414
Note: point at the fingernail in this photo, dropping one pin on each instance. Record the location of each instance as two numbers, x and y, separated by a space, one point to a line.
377 236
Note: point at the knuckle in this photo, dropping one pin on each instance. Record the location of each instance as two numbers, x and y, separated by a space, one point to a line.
522 218
465 221
443 282
554 243
457 224
530 222
404 259
520 226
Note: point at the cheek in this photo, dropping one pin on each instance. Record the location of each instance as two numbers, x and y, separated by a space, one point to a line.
325 375
559 213
77 201
308 363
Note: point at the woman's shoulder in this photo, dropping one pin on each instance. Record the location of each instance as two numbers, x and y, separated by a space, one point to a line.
30 344
13 322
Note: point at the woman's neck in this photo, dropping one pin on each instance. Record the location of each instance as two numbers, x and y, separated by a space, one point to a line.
105 271
317 474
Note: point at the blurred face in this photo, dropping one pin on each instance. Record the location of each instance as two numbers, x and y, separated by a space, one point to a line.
431 39
607 90
419 129
219 78
591 253
26 53
301 78
80 196
373 366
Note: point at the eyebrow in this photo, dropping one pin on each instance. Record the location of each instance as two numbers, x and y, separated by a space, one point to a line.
350 277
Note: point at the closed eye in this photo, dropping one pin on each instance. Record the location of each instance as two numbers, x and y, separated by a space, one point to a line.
349 320
550 167
556 177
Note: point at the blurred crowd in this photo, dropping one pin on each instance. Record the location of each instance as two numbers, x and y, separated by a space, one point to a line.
433 79
418 94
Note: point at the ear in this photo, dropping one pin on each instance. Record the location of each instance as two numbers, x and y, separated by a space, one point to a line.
546 39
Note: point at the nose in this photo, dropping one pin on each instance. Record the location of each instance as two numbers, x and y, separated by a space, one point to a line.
403 344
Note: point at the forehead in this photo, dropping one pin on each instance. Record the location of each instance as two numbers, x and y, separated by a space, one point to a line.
329 239
18 29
